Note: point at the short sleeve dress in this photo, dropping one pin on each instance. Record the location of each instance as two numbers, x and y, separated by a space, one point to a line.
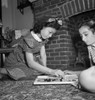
16 64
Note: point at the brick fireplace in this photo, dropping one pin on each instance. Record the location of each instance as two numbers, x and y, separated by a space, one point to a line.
66 49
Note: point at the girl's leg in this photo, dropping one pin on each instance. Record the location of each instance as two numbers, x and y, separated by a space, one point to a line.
14 73
3 72
87 79
21 71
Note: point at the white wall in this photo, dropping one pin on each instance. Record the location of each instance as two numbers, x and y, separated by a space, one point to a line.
12 17
7 15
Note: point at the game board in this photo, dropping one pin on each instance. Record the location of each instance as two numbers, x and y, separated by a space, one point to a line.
68 79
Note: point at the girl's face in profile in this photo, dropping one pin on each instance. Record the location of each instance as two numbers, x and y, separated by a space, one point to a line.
47 32
87 35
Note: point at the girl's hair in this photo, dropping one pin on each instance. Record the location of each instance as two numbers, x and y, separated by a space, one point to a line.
52 22
90 24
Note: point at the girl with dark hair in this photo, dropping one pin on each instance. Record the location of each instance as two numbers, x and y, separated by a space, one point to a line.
30 55
87 77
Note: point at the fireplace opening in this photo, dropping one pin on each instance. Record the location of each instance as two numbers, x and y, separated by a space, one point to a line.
80 47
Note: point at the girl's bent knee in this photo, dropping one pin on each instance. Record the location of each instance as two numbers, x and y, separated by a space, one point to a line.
16 74
87 81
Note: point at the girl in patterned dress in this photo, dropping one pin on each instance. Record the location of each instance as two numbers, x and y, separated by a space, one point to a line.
30 55
87 77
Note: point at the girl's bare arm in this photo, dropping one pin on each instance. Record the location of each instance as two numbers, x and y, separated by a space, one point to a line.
43 56
33 64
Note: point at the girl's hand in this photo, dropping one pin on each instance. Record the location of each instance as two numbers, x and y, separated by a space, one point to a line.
68 72
58 73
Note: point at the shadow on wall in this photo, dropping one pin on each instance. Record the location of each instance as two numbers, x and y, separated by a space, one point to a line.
81 51
82 58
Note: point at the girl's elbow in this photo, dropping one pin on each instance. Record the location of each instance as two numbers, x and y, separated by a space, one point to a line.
30 63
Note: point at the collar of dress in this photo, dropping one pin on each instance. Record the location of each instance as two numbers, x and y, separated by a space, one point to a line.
36 36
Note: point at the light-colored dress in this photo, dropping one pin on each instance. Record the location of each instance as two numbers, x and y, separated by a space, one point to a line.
16 64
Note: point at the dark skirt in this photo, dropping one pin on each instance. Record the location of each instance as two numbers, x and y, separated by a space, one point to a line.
17 67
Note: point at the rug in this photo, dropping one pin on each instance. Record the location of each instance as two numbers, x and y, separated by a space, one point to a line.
26 90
